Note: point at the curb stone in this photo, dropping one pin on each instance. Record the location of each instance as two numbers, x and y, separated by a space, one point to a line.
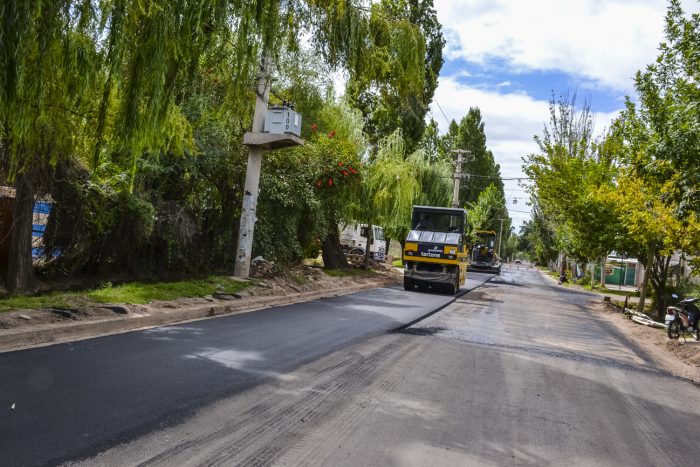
145 317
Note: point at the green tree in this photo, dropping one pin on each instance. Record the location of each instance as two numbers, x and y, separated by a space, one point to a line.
566 175
395 181
489 213
403 61
652 230
480 166
122 88
48 67
659 139
669 91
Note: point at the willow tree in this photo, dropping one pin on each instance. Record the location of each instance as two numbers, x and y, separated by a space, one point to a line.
48 69
395 181
396 85
104 82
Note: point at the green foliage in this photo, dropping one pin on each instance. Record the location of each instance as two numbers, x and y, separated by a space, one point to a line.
488 209
348 272
537 238
396 84
568 173
480 164
391 187
131 115
663 131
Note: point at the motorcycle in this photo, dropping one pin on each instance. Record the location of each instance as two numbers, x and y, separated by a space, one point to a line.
683 318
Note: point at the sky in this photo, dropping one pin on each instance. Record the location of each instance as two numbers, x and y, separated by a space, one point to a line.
507 57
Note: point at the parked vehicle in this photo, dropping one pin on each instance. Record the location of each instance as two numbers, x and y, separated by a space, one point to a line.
435 252
353 238
683 318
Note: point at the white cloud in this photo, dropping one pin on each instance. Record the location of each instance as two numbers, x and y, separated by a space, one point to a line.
510 120
604 41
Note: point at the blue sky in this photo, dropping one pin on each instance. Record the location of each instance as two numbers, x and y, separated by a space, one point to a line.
508 56
538 84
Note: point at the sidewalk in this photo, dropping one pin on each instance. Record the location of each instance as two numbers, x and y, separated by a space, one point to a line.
20 329
616 293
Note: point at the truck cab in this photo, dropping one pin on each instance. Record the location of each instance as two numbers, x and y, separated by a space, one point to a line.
353 238
435 251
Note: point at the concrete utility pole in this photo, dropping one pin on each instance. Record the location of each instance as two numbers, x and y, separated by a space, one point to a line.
457 176
257 141
252 175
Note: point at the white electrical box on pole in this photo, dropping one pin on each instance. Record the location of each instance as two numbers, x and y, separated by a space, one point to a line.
457 176
257 141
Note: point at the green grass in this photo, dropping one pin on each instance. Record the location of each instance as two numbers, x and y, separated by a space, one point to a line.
133 292
398 263
347 272
606 290
298 278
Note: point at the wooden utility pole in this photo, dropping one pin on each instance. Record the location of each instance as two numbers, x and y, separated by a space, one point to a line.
257 141
457 176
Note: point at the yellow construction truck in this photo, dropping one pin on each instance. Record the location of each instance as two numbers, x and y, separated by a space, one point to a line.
435 252
483 254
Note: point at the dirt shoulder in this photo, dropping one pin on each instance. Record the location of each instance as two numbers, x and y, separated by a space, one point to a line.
680 358
24 329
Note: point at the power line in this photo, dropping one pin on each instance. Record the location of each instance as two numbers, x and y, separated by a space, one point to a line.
490 177
442 112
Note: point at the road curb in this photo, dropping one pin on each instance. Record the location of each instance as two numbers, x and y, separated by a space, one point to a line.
58 333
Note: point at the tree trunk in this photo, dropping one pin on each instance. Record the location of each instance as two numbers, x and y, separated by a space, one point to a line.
20 272
659 278
370 237
562 263
602 272
332 251
645 279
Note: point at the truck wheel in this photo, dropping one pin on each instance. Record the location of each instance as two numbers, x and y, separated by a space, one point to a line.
450 289
407 283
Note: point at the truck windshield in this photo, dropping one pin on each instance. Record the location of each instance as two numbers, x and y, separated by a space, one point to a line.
434 237
433 222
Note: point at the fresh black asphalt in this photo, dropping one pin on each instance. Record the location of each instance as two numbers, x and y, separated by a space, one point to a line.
77 399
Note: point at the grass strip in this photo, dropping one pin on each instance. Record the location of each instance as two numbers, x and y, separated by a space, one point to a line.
132 292
349 272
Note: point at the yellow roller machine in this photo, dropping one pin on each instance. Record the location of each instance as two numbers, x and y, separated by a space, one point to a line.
435 252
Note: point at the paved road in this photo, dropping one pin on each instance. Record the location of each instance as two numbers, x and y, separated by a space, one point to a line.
75 400
517 372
